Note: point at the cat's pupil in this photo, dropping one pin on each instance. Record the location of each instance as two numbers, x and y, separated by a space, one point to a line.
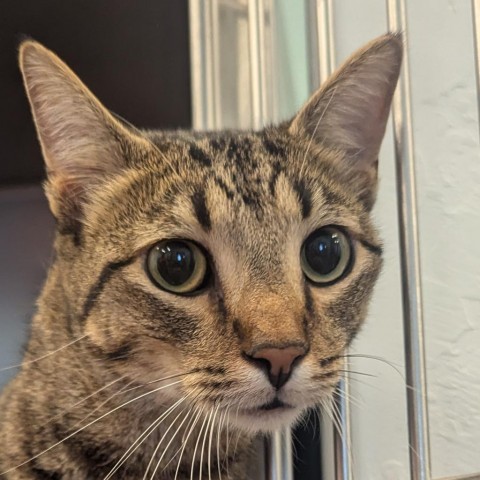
175 262
323 252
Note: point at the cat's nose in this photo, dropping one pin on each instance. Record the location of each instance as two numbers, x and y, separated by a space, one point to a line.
278 362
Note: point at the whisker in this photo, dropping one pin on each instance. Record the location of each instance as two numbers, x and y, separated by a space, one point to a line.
199 412
332 414
88 425
238 435
71 407
396 367
361 382
169 443
222 424
49 354
210 442
349 397
157 448
358 373
228 441
176 375
140 439
218 446
125 390
343 434
192 418
196 447
203 445
98 407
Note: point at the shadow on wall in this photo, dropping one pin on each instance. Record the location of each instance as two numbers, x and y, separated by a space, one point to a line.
25 251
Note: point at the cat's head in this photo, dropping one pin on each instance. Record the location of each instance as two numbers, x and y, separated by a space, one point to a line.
238 265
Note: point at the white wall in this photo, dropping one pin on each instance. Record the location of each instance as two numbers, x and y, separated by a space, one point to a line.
448 166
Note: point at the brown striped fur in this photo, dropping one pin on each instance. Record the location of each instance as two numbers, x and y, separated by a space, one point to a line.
250 199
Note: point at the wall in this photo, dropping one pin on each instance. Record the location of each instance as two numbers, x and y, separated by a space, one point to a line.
448 166
25 250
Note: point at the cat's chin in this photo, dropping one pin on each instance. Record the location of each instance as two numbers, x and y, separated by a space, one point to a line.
266 419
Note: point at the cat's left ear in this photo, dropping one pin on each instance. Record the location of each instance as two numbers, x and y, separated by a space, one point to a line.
83 144
350 111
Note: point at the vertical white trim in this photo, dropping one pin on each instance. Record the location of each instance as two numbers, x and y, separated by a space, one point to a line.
279 461
215 47
204 65
476 32
322 41
323 47
197 74
256 34
209 66
410 261
342 435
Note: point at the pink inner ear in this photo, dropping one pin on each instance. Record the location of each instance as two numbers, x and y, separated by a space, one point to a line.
74 129
350 111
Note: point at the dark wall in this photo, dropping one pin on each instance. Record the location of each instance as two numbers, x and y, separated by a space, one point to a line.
26 234
133 54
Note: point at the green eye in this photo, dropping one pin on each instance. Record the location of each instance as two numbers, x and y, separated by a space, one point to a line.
178 266
326 255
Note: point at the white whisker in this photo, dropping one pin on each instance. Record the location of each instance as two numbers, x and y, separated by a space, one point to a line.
203 445
169 443
86 426
98 407
49 354
238 436
228 441
184 443
212 427
169 377
141 438
196 447
71 407
157 448
218 442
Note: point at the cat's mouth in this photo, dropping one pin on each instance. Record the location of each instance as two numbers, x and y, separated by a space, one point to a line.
275 404
266 417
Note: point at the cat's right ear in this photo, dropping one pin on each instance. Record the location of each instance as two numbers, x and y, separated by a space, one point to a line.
349 112
82 143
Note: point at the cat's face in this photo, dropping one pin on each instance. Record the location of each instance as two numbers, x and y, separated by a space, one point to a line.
236 265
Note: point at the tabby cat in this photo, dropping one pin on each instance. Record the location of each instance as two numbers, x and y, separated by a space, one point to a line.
205 285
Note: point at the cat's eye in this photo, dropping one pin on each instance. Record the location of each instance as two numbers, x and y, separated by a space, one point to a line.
326 255
178 266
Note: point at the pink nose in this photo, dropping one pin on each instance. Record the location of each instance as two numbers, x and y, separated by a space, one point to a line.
278 362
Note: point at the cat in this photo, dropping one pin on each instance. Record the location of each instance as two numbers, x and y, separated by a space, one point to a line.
205 286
